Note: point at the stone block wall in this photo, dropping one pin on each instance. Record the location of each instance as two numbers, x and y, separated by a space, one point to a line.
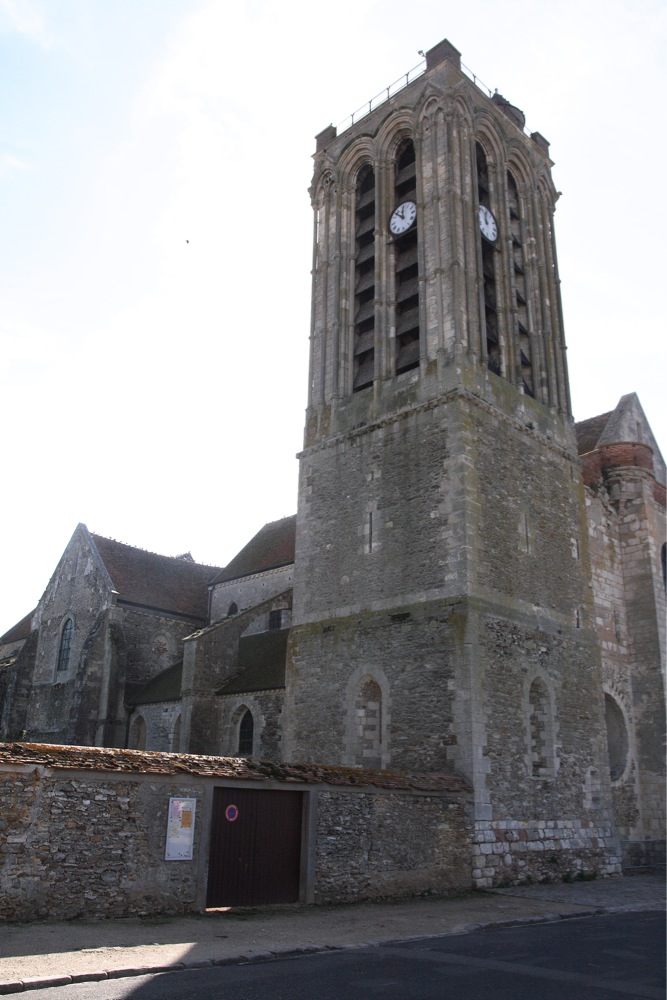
507 852
247 591
267 712
410 654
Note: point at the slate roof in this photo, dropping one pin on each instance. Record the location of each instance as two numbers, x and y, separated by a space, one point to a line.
165 686
19 631
590 431
272 546
261 663
174 584
148 762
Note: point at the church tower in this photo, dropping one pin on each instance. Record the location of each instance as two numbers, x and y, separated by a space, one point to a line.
442 615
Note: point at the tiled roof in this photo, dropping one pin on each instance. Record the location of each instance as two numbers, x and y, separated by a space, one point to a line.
261 663
590 431
166 686
147 762
167 583
19 631
271 547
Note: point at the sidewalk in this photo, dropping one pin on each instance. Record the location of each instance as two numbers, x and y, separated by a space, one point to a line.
36 955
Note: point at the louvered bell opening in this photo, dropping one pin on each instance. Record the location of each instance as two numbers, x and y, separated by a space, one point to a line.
407 289
488 268
365 311
365 371
406 173
490 297
407 321
525 361
365 200
520 297
527 383
408 257
365 226
365 253
491 334
364 342
408 354
365 281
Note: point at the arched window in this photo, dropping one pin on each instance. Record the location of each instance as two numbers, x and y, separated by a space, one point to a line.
368 724
541 747
246 734
617 737
65 644
232 609
364 280
406 259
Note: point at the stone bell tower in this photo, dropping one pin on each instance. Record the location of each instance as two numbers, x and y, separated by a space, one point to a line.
442 618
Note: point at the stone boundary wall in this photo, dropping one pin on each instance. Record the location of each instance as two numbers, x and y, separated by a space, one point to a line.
372 846
91 843
76 844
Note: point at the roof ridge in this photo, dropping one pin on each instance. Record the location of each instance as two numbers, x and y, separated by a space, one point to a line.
179 558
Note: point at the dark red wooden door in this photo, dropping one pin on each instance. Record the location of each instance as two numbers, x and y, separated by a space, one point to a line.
255 855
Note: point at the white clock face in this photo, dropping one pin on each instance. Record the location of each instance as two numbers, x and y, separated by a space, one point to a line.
487 223
403 217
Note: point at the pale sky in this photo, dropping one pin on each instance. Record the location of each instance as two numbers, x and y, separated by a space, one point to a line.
155 240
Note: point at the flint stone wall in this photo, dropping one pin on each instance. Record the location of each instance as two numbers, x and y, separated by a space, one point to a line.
85 843
370 846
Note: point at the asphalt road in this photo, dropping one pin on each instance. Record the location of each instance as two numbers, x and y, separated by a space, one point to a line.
594 958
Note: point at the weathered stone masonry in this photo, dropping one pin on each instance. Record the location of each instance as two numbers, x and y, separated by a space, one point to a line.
82 831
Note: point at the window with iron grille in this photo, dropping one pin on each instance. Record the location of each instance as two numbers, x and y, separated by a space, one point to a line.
275 620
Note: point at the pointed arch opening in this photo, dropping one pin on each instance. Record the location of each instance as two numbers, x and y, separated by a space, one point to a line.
65 647
523 346
406 261
246 734
364 280
489 235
